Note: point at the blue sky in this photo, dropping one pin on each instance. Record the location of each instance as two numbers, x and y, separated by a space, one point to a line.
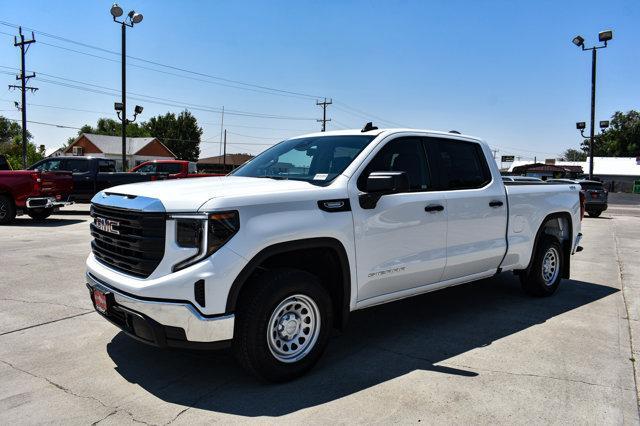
505 71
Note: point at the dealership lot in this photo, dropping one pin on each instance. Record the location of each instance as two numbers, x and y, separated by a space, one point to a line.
482 352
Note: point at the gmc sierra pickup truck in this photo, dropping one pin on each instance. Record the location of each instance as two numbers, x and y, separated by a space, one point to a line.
37 194
92 174
272 257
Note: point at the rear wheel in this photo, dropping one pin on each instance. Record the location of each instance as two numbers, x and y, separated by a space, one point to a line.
544 276
7 210
283 324
39 214
594 213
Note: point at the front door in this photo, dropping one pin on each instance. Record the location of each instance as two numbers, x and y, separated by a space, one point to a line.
401 242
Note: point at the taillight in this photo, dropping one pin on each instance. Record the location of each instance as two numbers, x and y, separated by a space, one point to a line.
36 182
582 202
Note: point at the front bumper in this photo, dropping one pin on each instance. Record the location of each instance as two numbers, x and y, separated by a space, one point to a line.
161 322
45 203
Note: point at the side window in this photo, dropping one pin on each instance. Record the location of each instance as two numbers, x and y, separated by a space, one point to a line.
106 166
401 155
51 165
193 168
77 166
170 168
461 164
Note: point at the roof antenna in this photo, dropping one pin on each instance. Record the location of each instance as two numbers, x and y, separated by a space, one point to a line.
455 132
368 126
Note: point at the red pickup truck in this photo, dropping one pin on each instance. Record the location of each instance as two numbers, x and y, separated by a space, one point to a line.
174 169
35 193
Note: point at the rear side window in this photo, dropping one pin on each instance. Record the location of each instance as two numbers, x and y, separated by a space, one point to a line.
106 166
401 155
193 168
593 186
461 165
170 168
77 166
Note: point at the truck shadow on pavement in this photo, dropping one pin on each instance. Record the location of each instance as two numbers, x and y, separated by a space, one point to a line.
379 344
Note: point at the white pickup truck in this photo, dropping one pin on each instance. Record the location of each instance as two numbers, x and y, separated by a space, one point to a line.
274 256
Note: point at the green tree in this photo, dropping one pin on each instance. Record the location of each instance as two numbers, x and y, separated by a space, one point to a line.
574 155
181 134
620 139
11 144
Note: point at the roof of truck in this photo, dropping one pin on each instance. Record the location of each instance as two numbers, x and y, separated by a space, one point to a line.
377 132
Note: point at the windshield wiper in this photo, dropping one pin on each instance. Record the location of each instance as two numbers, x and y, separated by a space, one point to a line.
272 177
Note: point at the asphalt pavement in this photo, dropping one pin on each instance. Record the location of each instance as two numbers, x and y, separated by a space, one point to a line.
474 354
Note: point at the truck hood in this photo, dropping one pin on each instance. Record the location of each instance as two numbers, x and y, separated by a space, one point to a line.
188 195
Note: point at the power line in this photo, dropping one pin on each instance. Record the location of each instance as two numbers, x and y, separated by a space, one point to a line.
228 80
359 113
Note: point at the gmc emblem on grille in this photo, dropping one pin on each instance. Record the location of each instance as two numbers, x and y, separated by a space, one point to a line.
106 225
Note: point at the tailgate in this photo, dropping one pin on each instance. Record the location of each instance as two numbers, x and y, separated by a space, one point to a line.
56 183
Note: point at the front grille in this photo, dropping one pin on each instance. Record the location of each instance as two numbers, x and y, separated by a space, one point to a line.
138 246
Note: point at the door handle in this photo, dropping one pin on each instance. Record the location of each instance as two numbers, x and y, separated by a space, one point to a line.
431 208
495 203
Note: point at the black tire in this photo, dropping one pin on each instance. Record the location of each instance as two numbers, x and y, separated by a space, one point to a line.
265 295
534 282
594 213
39 214
7 210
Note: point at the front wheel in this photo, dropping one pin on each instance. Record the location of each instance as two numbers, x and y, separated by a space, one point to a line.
7 210
39 213
545 273
283 324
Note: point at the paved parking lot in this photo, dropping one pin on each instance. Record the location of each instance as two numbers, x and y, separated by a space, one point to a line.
478 353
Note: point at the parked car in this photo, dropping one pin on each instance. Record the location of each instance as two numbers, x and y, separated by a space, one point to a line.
91 175
521 179
272 257
596 197
37 194
174 169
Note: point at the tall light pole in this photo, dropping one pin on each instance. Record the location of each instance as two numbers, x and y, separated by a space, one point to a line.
603 37
130 20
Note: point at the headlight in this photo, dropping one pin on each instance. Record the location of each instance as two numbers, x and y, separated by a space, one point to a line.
206 232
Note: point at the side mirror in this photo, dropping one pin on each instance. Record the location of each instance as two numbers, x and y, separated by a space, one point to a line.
382 183
387 182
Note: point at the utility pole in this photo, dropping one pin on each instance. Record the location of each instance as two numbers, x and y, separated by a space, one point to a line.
495 151
324 119
224 156
23 77
221 129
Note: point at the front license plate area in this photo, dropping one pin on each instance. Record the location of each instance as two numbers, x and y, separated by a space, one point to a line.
100 300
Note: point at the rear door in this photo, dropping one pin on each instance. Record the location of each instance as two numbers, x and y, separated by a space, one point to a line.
83 177
401 242
476 207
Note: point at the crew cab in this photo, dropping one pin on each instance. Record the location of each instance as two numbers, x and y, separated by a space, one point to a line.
92 174
274 256
174 169
37 194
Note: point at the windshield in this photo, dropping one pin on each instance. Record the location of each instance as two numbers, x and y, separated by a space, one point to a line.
315 160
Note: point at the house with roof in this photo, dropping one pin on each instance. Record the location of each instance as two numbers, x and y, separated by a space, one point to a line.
618 173
138 150
223 163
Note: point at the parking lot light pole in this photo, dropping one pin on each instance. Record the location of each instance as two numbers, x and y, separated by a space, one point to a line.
130 20
603 37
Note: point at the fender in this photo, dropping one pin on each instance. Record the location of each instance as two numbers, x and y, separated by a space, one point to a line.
289 246
566 249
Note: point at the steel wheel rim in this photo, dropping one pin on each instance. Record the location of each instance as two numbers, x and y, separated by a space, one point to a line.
293 328
550 266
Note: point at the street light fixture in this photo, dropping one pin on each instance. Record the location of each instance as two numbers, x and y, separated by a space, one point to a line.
603 37
130 20
604 124
581 125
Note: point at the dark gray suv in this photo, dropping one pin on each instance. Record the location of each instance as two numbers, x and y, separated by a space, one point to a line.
594 193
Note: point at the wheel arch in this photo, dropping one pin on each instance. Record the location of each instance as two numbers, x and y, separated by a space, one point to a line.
286 254
552 225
